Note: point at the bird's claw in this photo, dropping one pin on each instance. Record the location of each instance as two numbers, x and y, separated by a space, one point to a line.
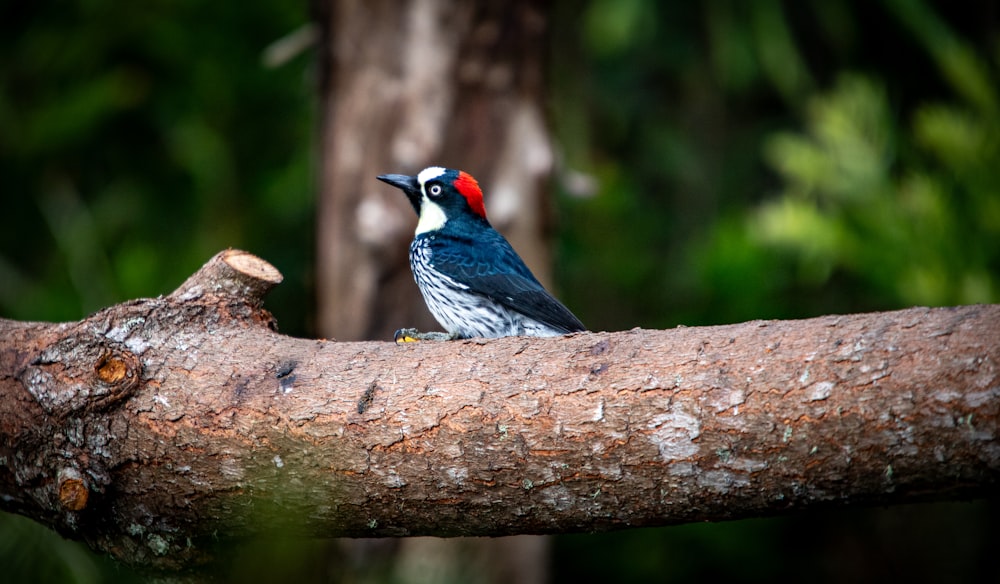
412 335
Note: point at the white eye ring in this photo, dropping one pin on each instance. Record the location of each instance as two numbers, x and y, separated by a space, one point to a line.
435 190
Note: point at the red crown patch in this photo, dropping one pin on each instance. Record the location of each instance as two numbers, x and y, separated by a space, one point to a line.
469 189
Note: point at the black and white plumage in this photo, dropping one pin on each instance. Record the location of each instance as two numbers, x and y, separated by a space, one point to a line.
472 280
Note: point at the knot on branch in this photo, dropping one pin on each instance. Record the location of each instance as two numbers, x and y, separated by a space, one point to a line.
82 371
73 491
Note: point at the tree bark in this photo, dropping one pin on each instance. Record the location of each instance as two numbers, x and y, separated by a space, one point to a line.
406 85
156 428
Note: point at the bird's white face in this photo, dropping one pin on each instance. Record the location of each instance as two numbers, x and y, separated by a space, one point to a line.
432 216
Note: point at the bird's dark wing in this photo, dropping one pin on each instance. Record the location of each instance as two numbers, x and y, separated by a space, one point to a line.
490 266
529 298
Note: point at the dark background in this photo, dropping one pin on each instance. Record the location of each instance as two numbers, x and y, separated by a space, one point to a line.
719 161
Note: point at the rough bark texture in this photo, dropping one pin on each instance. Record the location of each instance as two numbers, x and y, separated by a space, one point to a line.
155 428
406 85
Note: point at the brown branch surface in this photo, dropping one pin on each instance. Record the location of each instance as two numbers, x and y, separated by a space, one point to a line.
154 428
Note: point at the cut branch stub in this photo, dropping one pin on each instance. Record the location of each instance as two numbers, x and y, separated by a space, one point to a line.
93 368
232 275
63 431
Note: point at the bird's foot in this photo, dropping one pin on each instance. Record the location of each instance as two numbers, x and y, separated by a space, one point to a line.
412 335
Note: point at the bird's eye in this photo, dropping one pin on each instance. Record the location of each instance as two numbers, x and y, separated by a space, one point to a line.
434 190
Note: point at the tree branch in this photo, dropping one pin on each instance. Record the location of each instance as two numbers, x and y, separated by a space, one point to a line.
154 428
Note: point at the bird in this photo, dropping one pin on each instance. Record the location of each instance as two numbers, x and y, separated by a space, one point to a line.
470 277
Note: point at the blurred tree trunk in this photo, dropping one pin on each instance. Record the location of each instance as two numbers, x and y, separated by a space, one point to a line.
406 85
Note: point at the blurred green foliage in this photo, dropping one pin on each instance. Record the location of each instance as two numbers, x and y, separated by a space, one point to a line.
777 160
136 140
761 159
914 215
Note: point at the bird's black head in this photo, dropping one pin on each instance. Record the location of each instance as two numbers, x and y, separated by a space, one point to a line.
439 195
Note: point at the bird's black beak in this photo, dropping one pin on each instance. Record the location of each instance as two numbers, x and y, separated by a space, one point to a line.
407 184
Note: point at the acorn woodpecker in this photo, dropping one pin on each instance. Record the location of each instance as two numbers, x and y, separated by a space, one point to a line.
472 280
